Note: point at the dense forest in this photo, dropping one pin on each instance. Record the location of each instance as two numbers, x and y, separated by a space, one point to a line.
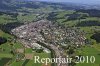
96 36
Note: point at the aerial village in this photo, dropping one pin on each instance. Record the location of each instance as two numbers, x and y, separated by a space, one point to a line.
51 35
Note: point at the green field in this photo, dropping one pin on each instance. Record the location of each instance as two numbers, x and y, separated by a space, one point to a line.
90 51
26 18
6 19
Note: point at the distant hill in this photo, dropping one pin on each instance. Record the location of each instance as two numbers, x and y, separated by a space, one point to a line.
13 5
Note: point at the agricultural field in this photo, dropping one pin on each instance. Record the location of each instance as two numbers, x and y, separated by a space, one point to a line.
26 17
4 19
90 51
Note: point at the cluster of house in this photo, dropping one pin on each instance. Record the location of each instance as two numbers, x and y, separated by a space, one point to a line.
45 31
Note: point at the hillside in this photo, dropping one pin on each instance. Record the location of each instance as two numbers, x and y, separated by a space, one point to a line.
23 5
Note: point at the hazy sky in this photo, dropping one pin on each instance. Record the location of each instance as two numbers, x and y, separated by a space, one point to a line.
77 1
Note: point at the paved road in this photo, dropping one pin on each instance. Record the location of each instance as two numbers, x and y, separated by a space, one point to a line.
58 52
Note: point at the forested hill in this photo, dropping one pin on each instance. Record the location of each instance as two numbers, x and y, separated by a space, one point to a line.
15 5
